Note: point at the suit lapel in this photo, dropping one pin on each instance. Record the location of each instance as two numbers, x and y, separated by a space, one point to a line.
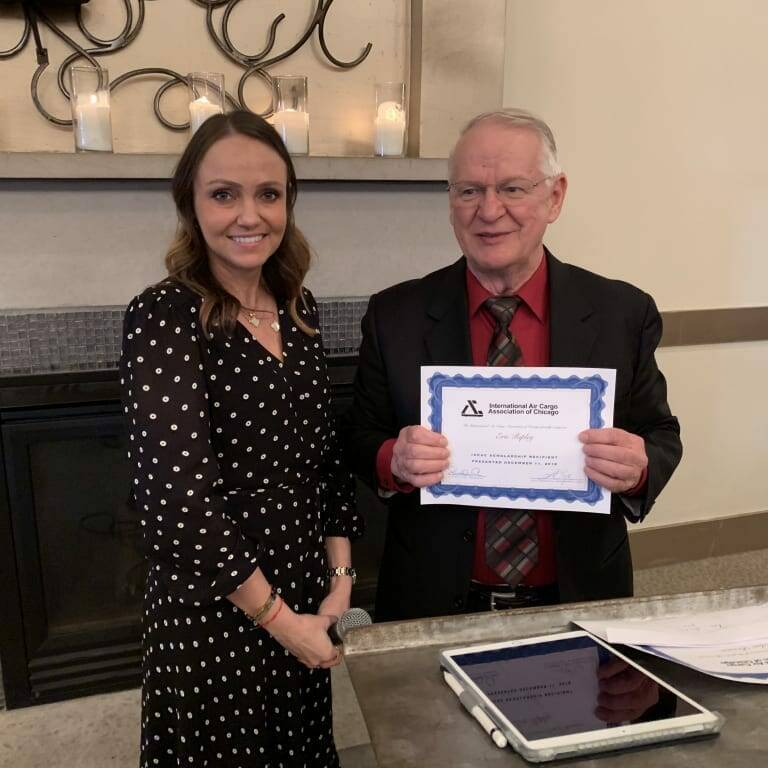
573 329
573 322
447 339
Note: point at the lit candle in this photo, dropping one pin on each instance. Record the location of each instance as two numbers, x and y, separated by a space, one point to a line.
200 110
93 128
390 129
293 127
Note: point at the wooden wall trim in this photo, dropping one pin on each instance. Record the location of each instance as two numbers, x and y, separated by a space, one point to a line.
683 542
714 326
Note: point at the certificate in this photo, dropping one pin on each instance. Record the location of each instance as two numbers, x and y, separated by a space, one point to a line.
513 435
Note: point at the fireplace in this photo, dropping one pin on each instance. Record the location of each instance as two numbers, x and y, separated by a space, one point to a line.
71 573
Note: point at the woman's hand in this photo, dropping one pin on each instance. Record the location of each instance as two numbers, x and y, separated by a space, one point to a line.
306 637
301 634
337 600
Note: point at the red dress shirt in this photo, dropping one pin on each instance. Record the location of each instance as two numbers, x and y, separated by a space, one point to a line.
530 327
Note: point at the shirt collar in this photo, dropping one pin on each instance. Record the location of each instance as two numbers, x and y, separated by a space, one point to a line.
534 292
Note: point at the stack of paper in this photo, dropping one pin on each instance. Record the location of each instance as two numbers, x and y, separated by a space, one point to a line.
731 644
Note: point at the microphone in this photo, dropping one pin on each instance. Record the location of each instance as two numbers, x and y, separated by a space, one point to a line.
354 617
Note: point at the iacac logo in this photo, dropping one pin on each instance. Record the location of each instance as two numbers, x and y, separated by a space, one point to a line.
471 409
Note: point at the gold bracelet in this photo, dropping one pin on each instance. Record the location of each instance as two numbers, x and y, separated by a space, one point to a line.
274 615
263 610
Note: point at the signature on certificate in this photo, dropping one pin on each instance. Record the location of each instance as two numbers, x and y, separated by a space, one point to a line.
556 475
520 437
474 473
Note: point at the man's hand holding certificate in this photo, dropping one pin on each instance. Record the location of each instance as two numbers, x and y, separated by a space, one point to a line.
513 435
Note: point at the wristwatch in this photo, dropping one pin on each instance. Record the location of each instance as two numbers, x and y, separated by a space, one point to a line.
343 571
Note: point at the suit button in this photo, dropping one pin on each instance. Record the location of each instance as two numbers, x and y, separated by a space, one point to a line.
458 603
469 535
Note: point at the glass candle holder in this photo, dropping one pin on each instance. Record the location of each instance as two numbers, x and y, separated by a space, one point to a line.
206 97
391 120
91 113
291 117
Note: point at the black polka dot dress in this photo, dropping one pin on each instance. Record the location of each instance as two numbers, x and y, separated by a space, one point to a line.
236 465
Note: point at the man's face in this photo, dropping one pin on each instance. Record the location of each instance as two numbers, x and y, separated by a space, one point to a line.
499 235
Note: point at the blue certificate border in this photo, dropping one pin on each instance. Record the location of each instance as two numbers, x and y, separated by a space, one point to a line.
596 385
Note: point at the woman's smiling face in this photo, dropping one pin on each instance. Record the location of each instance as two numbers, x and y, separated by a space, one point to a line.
240 204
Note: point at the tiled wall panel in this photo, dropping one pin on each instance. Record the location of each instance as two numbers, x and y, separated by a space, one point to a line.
89 339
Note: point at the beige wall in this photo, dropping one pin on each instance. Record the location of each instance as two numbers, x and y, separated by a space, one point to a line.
175 36
718 393
659 112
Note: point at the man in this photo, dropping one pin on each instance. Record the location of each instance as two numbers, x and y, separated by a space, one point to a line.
505 188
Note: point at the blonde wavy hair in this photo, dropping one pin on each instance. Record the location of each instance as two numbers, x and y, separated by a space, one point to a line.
187 258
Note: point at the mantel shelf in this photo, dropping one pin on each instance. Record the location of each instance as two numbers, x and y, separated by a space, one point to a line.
54 165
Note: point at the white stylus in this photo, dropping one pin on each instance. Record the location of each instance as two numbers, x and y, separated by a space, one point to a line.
476 711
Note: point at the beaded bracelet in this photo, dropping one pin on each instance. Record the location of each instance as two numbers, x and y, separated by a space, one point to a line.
274 616
262 611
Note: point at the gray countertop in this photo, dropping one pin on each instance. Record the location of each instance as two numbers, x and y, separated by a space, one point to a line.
414 719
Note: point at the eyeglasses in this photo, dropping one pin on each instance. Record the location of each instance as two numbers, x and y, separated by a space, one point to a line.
509 191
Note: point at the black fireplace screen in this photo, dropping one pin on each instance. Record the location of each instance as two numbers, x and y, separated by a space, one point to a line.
76 540
80 573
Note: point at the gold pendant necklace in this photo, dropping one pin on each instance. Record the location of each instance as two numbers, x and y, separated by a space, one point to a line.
255 321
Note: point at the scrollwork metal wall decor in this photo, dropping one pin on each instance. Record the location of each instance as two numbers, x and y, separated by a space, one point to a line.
36 14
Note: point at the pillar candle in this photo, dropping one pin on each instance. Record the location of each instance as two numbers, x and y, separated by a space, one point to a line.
200 110
293 127
390 129
93 127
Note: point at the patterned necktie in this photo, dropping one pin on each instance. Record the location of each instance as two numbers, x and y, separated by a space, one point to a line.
511 539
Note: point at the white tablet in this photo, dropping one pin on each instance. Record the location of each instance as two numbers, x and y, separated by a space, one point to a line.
571 694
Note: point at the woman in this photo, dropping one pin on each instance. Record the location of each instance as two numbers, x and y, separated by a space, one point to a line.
245 507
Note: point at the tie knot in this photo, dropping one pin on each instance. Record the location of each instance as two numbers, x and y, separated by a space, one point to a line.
502 307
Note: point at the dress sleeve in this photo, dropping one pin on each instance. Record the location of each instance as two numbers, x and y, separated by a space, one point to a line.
337 492
337 485
197 549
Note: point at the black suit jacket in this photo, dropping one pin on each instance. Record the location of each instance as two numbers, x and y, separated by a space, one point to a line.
595 322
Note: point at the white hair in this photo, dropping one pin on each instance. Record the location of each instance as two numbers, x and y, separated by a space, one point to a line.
517 118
